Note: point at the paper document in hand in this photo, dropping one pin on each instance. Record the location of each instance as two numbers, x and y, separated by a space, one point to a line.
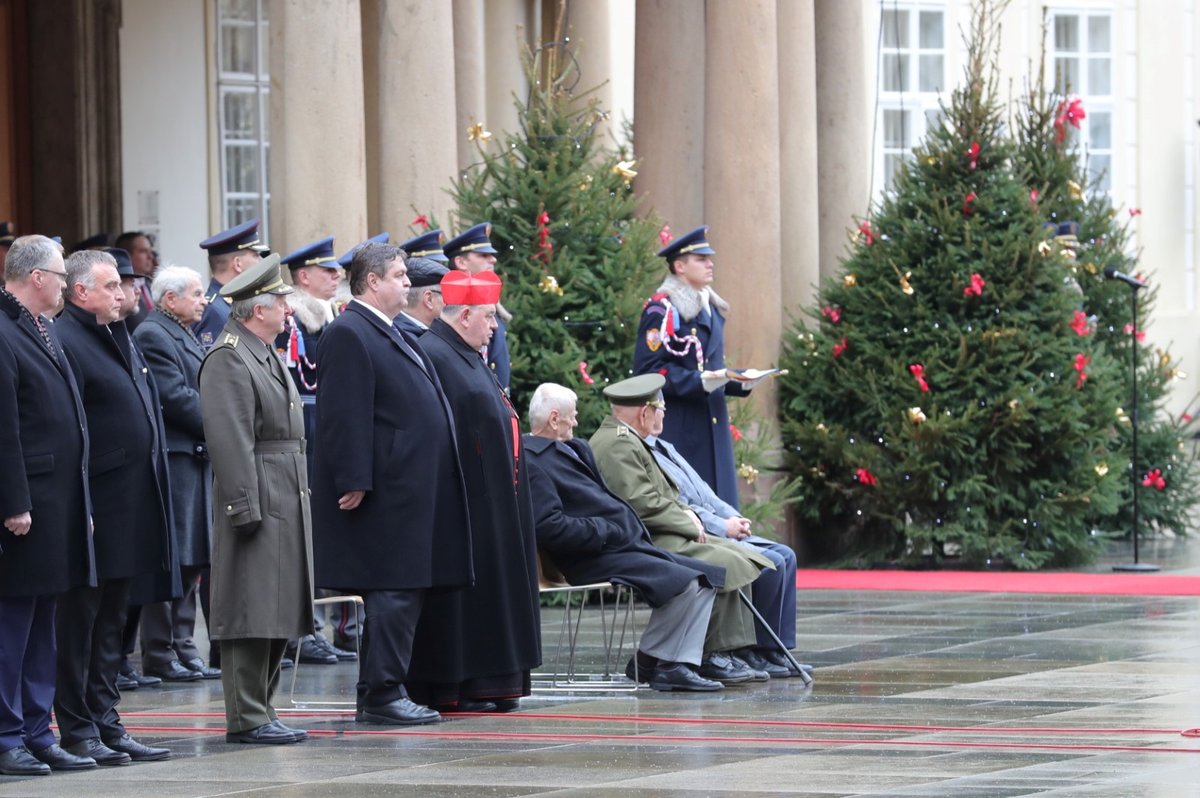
753 375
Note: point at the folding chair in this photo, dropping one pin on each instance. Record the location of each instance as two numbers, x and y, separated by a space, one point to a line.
565 676
326 706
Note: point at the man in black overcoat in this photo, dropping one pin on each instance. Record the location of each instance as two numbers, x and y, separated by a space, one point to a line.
479 645
130 510
389 506
593 536
45 541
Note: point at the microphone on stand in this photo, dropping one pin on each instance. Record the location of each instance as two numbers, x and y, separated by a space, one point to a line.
1132 282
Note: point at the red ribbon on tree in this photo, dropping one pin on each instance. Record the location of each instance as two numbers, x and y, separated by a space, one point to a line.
1135 212
1080 323
833 313
918 372
865 477
421 221
865 229
1155 480
545 248
664 235
976 286
1069 112
1081 362
1033 196
735 433
973 154
967 200
840 347
583 372
1128 328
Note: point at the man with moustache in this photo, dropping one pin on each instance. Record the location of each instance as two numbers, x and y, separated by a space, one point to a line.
389 507
130 510
45 538
262 540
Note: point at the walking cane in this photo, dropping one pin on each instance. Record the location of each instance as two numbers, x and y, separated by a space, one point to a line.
786 652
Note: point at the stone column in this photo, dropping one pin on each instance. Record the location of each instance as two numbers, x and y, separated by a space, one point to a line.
668 110
589 28
799 199
318 150
507 28
741 178
411 136
843 125
469 88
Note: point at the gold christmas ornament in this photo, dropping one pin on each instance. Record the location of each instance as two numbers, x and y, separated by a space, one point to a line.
916 415
850 280
1122 416
1101 469
1075 189
1090 268
1164 359
748 473
821 428
1045 248
549 285
476 133
626 170
905 286
931 160
1012 403
586 183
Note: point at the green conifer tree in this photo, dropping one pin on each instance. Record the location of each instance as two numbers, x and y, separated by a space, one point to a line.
1046 129
942 401
576 258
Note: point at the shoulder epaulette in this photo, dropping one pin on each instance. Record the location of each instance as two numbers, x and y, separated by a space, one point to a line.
230 340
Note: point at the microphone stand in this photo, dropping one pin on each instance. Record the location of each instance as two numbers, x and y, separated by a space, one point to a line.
1136 566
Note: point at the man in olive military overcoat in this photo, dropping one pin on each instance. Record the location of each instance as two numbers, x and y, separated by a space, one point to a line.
262 540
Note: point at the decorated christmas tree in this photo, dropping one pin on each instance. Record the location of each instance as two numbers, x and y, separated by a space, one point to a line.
1048 154
944 400
576 258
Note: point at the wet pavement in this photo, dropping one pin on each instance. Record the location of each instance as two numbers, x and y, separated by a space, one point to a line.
916 694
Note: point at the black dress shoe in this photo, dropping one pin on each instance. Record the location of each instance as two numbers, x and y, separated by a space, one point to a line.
777 658
329 648
266 734
138 752
670 676
127 683
300 734
19 762
507 704
196 665
105 757
401 712
465 705
58 759
310 653
756 661
174 671
645 668
756 675
720 667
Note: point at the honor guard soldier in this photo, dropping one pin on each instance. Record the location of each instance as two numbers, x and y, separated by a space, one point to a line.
230 253
427 245
472 252
682 336
262 536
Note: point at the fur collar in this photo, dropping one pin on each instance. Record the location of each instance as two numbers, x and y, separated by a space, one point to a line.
311 313
687 300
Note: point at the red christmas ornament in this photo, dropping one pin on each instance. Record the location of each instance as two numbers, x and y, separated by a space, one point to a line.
583 372
973 154
1080 323
918 372
664 235
967 200
833 313
421 221
1033 196
865 477
1081 362
976 286
1135 212
1141 334
865 229
840 347
1155 480
735 433
545 248
1069 112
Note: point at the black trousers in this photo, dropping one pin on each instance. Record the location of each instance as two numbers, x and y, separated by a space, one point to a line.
89 626
386 645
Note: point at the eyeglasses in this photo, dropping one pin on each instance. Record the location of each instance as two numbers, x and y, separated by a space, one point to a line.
63 275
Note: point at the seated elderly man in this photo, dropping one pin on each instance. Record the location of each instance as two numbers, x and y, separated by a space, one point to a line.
774 591
627 465
592 536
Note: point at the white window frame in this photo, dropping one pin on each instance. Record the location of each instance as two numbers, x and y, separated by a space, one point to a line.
921 108
258 84
1095 103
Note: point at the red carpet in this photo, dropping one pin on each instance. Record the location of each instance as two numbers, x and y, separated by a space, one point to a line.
1000 582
